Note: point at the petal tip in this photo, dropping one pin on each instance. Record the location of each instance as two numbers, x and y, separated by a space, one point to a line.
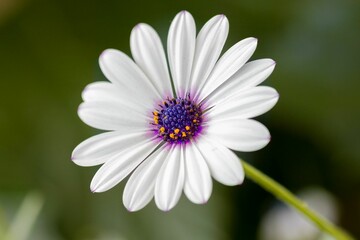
79 110
240 181
86 88
132 206
184 14
129 209
139 26
224 21
103 53
165 208
250 41
107 52
275 95
222 17
94 188
135 29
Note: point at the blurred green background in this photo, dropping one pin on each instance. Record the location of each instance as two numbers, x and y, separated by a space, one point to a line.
48 54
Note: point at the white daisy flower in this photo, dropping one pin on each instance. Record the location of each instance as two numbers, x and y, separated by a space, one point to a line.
174 130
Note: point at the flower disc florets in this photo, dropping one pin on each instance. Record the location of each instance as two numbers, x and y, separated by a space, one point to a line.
177 120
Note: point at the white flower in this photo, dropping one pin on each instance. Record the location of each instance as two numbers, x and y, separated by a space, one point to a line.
174 140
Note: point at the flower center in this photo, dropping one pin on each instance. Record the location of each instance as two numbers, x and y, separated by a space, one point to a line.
177 120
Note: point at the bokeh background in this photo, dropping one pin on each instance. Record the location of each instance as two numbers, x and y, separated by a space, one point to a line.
48 54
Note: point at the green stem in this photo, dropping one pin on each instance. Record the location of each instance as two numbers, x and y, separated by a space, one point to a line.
290 199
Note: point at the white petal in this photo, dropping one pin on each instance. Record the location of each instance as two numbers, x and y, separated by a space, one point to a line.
118 167
121 70
224 165
209 44
181 47
112 116
100 148
198 183
246 104
139 190
149 55
109 92
232 60
170 181
250 75
244 135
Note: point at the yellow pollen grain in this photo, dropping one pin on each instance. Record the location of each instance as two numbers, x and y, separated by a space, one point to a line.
187 128
162 129
155 113
172 135
194 121
176 131
183 134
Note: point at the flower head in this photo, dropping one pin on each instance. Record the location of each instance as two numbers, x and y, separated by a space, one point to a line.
173 130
